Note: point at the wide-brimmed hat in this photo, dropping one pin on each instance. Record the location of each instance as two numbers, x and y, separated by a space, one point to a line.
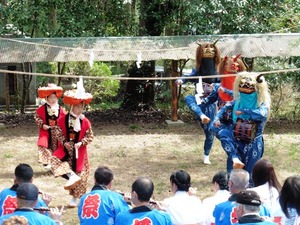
77 96
44 92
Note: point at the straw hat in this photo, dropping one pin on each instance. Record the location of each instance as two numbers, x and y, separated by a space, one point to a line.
74 97
44 92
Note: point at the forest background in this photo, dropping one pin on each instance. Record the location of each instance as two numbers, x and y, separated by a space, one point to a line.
133 139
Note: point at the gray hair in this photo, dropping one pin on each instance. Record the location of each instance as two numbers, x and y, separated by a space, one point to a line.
240 178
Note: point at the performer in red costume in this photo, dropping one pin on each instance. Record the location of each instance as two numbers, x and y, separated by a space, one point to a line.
74 133
46 117
229 65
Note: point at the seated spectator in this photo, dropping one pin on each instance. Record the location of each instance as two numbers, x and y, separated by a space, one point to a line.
8 196
225 212
182 207
27 197
267 186
101 206
248 207
16 220
220 187
141 192
289 199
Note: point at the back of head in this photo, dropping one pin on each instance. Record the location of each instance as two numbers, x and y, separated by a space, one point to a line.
263 172
239 179
103 175
27 191
221 178
16 220
250 201
23 173
182 180
144 188
290 195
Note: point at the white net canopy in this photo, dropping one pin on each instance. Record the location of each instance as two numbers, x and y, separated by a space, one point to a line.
18 50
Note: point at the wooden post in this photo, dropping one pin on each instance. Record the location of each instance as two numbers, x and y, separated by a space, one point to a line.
7 97
174 116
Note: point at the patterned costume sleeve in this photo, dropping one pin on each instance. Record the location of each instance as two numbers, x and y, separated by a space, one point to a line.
223 110
39 121
213 96
229 92
88 137
259 114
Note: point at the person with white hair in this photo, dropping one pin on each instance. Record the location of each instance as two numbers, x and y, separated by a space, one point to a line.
247 209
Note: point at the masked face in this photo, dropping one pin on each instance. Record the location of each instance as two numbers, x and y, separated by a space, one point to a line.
208 51
247 85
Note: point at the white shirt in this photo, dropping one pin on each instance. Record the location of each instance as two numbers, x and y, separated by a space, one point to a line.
184 209
268 196
210 203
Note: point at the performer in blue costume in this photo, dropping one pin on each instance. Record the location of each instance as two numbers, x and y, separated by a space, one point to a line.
207 60
101 205
243 137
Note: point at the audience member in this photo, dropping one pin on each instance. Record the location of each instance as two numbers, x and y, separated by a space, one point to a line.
182 207
225 212
101 206
220 187
289 199
16 220
8 196
27 197
141 192
248 207
267 186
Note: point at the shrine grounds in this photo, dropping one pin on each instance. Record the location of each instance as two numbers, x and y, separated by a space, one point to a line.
142 148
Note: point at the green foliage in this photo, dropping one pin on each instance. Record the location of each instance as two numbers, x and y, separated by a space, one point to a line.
101 89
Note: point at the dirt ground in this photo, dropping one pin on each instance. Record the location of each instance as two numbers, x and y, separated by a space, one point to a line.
139 145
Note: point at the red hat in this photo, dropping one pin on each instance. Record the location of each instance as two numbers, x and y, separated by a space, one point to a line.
44 92
74 97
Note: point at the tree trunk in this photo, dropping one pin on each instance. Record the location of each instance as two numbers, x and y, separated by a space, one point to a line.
140 94
25 87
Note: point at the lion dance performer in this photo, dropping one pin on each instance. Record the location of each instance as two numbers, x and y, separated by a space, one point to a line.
223 92
207 61
46 118
249 111
74 133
